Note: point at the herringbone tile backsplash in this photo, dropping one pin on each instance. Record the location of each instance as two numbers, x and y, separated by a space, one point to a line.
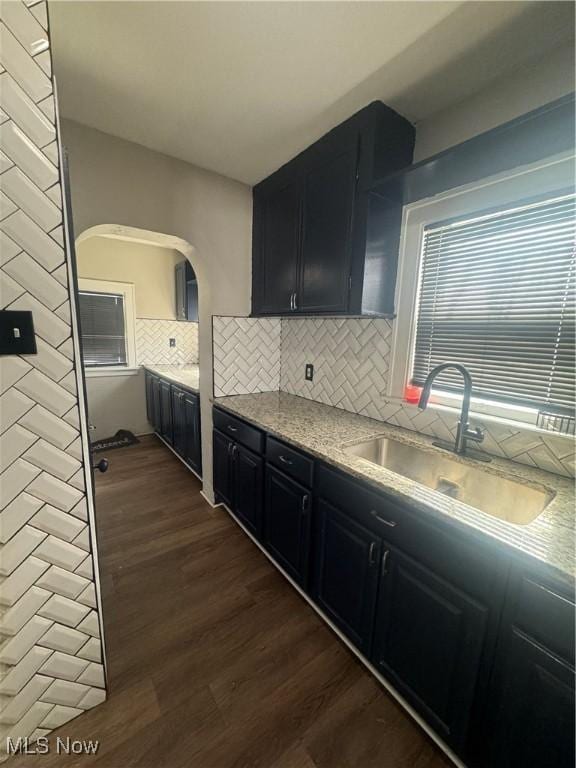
246 355
50 650
351 359
153 342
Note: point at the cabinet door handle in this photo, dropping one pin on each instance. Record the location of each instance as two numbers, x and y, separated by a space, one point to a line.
389 523
371 553
385 562
284 460
231 428
291 301
230 446
295 304
305 501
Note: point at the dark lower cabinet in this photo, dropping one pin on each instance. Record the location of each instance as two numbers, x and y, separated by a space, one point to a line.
531 716
286 533
186 427
178 421
149 386
429 636
166 411
156 407
238 480
347 560
222 468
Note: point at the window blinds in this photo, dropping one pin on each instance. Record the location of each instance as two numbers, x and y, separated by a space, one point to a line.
102 327
496 294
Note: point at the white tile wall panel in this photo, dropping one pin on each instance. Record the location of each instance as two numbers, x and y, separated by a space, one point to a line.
45 424
20 107
43 506
61 524
12 369
153 342
64 666
90 625
91 651
21 673
28 236
246 355
61 638
93 675
65 692
351 359
20 546
22 611
14 649
63 610
16 514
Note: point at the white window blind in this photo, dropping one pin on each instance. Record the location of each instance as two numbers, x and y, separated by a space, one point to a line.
103 329
496 294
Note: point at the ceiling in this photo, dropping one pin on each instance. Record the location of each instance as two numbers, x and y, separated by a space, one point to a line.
241 87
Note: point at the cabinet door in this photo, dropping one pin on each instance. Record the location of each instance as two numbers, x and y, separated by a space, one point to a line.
166 411
329 195
178 426
533 722
347 562
157 408
248 475
180 281
428 642
276 242
287 523
192 439
149 382
222 468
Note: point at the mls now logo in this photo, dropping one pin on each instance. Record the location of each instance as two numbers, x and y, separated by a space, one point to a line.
41 746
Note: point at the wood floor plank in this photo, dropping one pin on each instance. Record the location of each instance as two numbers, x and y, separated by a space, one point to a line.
214 660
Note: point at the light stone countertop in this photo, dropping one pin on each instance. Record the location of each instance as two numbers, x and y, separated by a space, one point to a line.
323 431
187 375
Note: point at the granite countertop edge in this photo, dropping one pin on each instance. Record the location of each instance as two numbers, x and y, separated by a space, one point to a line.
186 376
548 540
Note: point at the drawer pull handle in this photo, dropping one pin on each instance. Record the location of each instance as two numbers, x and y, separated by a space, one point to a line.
231 428
305 501
389 523
385 562
284 460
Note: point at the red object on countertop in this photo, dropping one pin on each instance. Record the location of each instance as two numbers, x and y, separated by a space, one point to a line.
412 393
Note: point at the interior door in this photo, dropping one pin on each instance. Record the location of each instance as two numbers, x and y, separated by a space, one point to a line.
329 196
276 232
429 636
347 558
287 523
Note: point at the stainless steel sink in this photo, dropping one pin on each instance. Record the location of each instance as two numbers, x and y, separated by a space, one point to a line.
506 499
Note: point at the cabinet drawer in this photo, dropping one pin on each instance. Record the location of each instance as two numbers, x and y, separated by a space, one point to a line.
545 615
238 430
367 506
292 462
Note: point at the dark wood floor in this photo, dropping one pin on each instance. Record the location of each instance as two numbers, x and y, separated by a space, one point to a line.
214 660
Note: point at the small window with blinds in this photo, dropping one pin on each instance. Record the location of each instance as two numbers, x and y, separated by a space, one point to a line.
496 294
103 329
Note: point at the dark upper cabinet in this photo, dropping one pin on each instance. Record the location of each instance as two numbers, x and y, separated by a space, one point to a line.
429 637
278 238
530 720
166 411
287 519
186 292
322 243
347 560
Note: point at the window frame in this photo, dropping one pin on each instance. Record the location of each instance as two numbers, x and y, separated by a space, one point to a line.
502 190
126 290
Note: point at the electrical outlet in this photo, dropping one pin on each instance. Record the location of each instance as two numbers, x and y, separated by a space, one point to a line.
309 372
172 342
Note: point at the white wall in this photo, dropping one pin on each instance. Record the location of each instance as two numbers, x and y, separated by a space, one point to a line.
117 182
117 402
507 98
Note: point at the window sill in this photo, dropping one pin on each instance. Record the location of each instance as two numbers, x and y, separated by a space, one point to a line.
480 419
97 373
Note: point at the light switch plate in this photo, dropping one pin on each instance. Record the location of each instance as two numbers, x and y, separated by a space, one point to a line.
17 333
